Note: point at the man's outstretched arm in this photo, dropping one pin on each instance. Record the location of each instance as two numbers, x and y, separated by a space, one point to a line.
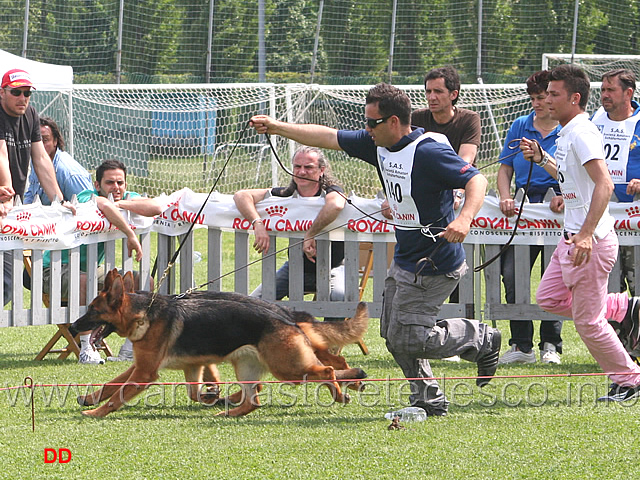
306 134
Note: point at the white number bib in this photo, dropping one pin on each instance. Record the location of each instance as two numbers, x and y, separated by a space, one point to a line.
617 137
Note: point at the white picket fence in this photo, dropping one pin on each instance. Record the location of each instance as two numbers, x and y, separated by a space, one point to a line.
480 294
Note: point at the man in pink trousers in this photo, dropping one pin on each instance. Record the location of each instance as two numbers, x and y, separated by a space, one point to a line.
575 282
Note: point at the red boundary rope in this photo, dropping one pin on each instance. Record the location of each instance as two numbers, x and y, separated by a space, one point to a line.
28 383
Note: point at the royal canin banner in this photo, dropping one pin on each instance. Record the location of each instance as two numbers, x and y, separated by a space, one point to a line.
54 227
282 215
538 225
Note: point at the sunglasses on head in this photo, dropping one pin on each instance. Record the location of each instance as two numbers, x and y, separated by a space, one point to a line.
16 92
374 122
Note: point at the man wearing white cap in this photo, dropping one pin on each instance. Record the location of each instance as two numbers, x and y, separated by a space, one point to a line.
20 141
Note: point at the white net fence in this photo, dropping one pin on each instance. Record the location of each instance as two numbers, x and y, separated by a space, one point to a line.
177 136
594 65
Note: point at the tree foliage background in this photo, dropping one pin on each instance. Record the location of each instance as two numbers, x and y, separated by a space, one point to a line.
168 40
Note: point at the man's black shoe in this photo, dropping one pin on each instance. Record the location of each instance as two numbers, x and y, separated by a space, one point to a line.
631 324
619 393
488 363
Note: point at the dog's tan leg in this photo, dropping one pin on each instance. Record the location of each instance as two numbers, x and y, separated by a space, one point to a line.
238 396
194 375
211 373
296 360
246 397
322 372
248 368
338 363
106 391
137 382
211 377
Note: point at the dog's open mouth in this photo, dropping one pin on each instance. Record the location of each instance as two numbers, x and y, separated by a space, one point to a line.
98 333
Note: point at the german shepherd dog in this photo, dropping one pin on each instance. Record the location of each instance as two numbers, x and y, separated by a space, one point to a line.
197 330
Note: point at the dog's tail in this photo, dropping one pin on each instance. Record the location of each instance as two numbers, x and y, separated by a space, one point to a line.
327 334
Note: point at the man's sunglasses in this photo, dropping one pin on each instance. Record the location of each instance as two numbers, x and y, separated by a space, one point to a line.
374 122
16 92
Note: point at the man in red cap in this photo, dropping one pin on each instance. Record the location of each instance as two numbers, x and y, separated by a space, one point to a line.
20 142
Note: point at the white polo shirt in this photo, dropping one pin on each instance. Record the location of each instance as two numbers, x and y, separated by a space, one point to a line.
578 142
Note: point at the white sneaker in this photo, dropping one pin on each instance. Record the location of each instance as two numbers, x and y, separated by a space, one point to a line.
549 355
123 356
90 356
455 358
516 356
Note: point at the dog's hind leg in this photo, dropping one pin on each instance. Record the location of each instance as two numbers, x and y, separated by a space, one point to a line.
211 378
296 360
353 375
193 374
106 391
248 368
338 363
237 397
322 372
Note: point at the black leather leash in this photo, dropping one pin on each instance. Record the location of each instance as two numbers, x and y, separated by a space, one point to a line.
515 227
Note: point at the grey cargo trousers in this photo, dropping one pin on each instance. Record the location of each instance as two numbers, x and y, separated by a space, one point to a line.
414 335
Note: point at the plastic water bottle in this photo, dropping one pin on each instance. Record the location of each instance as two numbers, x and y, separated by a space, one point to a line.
408 414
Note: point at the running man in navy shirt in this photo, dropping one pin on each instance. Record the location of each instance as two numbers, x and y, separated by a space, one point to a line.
418 171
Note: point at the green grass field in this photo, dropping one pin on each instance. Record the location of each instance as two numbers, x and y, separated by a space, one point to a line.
542 427
532 425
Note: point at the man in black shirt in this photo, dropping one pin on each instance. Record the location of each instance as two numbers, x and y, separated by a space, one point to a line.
20 142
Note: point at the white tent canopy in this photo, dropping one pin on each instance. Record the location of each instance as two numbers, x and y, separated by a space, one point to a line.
45 76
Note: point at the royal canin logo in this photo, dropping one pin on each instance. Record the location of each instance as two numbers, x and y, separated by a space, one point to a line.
23 216
633 211
276 211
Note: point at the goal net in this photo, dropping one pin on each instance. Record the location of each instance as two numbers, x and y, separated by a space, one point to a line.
594 65
175 136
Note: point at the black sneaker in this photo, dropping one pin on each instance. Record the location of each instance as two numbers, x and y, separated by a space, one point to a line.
630 330
619 393
488 363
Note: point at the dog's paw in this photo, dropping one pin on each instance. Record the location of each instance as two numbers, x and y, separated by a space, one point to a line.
346 398
209 399
356 386
234 412
213 390
361 373
85 400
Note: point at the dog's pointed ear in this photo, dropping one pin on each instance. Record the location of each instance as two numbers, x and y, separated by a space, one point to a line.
111 274
128 282
115 292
